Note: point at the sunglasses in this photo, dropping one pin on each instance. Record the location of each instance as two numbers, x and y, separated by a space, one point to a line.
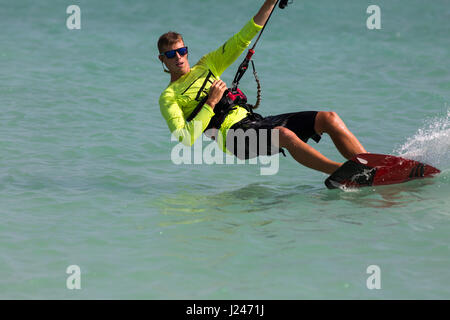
172 53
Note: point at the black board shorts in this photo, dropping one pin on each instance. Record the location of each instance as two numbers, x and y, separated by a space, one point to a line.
301 123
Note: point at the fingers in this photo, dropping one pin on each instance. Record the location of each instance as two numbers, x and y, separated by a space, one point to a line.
218 87
216 91
219 84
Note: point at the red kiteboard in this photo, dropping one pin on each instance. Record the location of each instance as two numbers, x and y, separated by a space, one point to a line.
370 169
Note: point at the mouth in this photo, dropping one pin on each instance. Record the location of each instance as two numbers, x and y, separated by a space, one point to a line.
179 64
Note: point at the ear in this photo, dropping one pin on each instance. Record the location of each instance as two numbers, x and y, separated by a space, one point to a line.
160 58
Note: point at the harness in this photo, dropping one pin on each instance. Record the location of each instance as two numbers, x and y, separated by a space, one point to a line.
230 100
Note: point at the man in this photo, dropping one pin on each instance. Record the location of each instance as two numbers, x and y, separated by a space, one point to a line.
201 86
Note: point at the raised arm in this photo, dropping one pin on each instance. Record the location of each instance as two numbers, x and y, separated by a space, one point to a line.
264 12
226 54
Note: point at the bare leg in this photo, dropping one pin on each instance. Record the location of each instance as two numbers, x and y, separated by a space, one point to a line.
344 140
304 153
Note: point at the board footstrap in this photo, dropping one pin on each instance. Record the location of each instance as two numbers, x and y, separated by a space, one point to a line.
345 175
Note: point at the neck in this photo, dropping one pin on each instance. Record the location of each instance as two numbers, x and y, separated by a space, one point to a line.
176 76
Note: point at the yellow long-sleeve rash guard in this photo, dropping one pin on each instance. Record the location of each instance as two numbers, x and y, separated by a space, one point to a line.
181 97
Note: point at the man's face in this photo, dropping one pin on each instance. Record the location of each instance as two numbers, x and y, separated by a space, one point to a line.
178 65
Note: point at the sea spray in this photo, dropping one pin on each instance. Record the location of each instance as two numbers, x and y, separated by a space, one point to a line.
431 143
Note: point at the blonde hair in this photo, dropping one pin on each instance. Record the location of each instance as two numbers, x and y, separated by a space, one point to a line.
168 39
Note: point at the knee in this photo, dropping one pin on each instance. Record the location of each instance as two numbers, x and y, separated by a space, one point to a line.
327 121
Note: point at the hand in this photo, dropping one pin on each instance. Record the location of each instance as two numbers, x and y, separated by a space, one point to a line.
216 92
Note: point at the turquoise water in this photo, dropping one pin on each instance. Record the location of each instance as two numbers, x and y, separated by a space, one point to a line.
86 177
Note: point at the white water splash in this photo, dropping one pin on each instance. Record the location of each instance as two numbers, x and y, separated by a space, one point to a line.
431 144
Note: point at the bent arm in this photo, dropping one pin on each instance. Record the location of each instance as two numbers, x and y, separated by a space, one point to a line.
184 132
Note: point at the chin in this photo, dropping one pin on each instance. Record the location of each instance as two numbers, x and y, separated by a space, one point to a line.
183 70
